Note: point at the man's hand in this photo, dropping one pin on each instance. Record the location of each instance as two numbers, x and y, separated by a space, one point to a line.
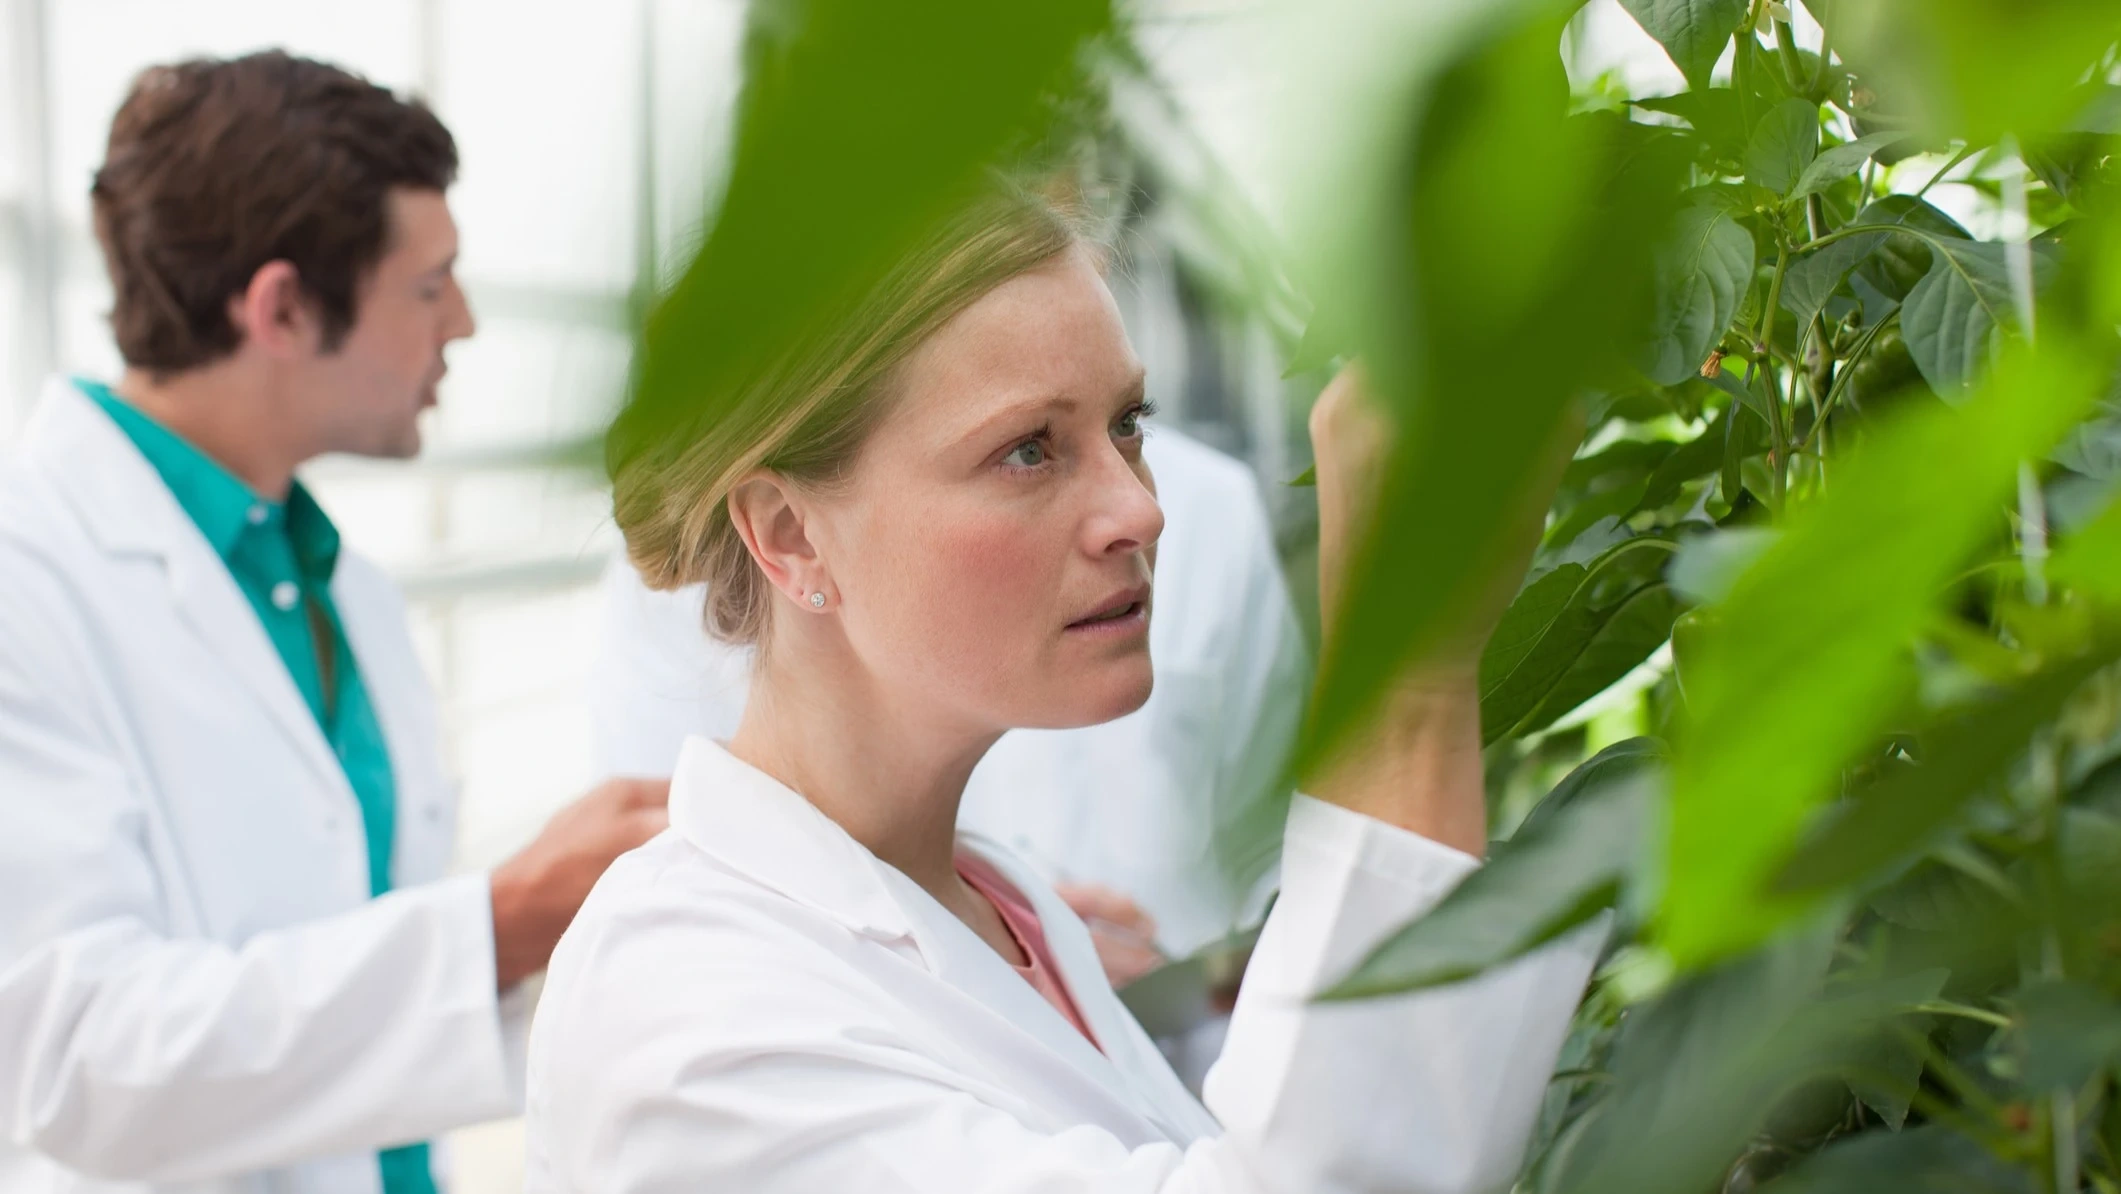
537 892
1125 935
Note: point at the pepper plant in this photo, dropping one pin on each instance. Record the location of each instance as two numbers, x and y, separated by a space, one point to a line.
1844 523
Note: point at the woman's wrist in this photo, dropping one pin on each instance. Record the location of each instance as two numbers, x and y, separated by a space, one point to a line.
1415 762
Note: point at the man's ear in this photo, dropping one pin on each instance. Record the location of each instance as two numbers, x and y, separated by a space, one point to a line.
769 516
273 313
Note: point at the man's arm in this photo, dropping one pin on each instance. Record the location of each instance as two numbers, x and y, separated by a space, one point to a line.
131 1053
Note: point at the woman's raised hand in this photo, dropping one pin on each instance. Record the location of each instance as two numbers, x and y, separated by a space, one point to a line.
1417 763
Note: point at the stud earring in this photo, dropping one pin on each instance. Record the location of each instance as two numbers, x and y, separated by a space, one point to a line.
817 601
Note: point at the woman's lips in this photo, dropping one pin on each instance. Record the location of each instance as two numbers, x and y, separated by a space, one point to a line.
1131 618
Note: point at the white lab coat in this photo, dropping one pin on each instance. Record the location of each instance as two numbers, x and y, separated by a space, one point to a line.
1179 804
754 1003
196 991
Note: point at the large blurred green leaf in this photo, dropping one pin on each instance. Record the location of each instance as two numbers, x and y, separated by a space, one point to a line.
1571 633
1978 69
1694 32
1521 225
1962 753
1561 869
858 124
1802 668
1702 270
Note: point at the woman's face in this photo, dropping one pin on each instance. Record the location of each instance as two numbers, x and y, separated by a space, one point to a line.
991 553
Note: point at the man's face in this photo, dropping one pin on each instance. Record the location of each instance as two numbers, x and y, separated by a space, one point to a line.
368 394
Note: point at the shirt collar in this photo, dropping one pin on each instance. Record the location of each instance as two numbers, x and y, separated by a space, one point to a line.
217 501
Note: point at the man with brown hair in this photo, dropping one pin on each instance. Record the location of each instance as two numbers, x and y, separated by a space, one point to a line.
229 959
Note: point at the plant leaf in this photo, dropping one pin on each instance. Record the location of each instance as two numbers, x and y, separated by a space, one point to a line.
1469 283
1813 278
1693 32
2066 1033
1807 655
1556 622
1929 1159
1902 814
1702 271
1558 872
1784 145
1837 163
1951 317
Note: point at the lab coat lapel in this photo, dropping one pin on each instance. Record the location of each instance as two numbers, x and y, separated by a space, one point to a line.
761 829
129 511
1132 1065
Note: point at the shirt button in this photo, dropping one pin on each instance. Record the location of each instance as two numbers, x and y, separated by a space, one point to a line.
285 595
257 514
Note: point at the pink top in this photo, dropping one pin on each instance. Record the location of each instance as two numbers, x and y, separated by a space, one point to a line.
1022 921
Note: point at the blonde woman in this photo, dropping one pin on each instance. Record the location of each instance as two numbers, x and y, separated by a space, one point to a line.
936 526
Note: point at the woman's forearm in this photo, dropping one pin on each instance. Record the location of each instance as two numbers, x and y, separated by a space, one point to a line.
1416 764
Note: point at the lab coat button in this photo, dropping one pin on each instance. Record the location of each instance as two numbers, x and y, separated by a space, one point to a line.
284 595
257 514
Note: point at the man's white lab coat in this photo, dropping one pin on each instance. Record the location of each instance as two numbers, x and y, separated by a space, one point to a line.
1178 805
197 992
753 1002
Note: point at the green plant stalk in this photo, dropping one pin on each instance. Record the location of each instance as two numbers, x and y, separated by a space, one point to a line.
1778 434
1841 379
1792 65
1742 64
1826 61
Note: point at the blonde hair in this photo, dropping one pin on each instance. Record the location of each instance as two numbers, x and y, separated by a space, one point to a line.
807 412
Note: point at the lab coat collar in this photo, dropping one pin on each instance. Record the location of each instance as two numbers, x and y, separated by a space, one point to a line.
761 829
127 510
758 827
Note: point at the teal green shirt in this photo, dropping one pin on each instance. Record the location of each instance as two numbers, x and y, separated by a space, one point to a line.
282 556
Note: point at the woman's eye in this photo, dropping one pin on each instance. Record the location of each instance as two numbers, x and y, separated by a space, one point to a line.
1029 454
1130 424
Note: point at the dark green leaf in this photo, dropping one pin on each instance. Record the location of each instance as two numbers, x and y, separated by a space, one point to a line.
1702 271
2066 1033
1814 633
1895 265
1784 146
1952 316
1696 458
1837 163
1929 1159
1962 752
1812 279
1630 635
1693 32
1567 620
1553 876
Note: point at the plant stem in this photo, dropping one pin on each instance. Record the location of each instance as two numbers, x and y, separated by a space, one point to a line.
1964 153
1826 61
1779 461
1792 65
1841 379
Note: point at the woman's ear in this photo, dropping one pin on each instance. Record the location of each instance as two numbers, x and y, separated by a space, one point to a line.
770 518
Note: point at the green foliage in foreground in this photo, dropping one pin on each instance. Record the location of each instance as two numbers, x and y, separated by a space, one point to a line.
1851 512
1844 524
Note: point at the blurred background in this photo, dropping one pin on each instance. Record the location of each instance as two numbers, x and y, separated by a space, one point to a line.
591 135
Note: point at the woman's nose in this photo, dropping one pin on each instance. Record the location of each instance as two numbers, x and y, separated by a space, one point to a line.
1128 517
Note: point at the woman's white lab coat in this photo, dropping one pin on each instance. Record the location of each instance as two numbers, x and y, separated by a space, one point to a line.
196 991
752 1002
